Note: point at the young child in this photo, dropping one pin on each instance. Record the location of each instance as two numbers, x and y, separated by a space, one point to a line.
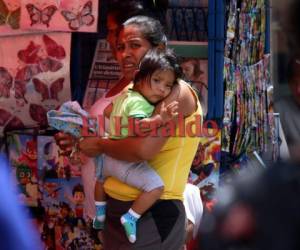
157 74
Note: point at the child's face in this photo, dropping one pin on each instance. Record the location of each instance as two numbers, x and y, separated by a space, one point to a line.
159 86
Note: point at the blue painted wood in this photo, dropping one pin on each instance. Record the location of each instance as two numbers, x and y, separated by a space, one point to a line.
211 59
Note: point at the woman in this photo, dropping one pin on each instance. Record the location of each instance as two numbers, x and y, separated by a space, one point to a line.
118 12
163 226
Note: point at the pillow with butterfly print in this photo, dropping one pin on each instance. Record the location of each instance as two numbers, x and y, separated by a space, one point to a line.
60 15
34 78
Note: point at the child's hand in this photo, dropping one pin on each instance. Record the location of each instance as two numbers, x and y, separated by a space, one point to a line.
169 112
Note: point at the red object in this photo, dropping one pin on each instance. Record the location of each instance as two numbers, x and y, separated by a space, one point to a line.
30 54
6 81
49 64
38 114
52 92
40 16
193 244
53 49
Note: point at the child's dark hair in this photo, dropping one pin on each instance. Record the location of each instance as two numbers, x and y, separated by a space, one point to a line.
157 59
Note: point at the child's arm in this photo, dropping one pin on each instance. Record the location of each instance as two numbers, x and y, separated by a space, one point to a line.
108 110
166 114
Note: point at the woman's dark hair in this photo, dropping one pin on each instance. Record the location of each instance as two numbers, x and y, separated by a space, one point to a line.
123 10
157 59
151 29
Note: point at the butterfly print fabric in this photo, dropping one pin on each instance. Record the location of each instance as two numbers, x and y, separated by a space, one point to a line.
34 77
59 15
10 17
10 14
9 122
81 18
6 82
40 16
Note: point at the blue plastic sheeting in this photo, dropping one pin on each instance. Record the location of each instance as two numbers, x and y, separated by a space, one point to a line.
216 38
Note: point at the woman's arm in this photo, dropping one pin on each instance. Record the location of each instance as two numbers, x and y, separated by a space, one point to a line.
133 149
140 148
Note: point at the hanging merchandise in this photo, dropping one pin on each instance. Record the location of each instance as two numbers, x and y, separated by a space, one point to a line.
246 117
248 124
34 72
60 15
246 28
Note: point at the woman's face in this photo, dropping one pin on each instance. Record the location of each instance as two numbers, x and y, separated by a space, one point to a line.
131 47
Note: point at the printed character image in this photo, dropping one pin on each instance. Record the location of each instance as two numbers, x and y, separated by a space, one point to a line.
77 200
28 189
29 156
51 163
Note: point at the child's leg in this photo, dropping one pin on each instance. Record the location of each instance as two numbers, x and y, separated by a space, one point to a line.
141 204
141 176
99 195
146 200
100 201
146 179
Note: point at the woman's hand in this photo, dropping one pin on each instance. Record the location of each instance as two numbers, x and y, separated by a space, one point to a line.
65 142
90 146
